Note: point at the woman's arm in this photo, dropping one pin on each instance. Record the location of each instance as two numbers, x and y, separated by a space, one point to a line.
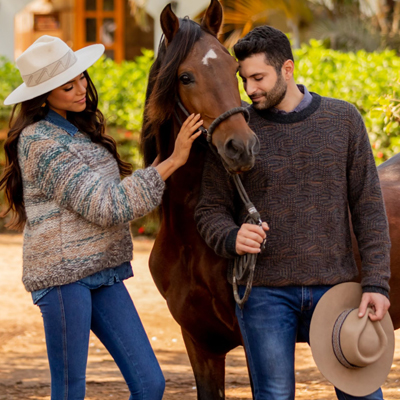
64 178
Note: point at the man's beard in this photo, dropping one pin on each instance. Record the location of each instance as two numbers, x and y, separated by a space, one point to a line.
274 97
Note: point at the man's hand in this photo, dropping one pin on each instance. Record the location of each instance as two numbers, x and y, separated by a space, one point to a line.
250 237
378 302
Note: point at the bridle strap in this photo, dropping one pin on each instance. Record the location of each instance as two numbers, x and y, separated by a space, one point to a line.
186 112
208 132
225 116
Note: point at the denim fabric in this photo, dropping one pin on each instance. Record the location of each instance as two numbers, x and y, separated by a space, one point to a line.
61 122
70 312
271 322
106 277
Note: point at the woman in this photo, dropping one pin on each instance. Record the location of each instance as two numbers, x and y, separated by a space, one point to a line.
62 182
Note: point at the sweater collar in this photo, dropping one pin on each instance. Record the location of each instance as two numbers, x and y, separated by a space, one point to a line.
290 118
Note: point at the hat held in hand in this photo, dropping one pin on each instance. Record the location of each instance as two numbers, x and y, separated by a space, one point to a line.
354 354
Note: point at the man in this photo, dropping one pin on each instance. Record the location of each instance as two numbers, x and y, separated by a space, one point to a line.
315 164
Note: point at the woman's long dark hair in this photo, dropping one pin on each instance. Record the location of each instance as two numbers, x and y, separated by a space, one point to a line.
90 121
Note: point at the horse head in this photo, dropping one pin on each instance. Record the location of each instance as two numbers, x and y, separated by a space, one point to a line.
195 69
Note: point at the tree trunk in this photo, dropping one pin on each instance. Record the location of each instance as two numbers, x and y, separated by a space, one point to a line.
294 27
396 18
382 15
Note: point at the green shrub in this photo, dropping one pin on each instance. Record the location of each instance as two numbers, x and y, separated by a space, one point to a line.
122 89
9 80
370 81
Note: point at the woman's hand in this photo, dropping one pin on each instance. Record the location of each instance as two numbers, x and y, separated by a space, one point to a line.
185 139
183 144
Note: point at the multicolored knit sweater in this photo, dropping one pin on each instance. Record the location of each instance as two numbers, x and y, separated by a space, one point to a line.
313 167
77 207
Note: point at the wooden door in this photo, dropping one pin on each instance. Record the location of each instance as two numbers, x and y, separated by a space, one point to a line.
101 21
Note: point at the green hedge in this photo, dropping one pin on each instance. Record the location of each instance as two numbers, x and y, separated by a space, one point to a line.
370 81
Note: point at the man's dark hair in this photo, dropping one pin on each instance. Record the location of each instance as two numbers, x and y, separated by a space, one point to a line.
265 39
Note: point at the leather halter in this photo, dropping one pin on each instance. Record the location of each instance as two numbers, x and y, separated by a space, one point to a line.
208 132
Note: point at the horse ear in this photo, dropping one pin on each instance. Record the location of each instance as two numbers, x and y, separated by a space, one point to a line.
212 20
169 23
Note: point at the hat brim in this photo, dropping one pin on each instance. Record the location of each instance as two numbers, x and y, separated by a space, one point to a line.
86 57
356 382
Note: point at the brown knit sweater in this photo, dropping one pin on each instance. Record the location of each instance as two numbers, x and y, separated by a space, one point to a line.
313 166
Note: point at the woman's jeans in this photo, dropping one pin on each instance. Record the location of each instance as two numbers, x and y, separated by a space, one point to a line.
272 320
70 312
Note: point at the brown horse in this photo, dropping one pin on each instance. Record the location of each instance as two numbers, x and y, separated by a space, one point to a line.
194 68
389 176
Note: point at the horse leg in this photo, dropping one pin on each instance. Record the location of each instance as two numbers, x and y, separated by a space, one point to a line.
208 369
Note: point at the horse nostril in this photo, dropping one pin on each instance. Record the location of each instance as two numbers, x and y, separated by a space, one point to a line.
234 149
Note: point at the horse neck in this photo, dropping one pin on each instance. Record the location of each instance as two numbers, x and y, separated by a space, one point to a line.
183 186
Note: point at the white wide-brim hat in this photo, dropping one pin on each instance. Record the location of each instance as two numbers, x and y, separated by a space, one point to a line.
49 63
354 354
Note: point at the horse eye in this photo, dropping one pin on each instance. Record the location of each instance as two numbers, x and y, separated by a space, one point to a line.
185 79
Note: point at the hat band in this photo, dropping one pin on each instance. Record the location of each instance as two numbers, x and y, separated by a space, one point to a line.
51 70
337 349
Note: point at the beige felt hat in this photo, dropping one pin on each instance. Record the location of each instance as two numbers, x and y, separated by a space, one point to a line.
354 354
49 63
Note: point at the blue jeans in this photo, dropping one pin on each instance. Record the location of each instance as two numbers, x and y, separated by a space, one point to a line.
70 312
271 322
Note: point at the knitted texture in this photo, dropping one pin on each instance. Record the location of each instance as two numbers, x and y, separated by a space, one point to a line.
313 167
77 207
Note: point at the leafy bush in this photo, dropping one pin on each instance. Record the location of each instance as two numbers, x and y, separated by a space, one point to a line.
122 89
370 81
9 80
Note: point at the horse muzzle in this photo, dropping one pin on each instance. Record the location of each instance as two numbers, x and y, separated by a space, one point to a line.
239 155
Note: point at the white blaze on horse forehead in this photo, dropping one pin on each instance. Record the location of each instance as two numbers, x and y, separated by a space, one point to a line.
210 54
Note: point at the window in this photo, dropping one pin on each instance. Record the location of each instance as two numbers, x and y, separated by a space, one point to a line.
101 21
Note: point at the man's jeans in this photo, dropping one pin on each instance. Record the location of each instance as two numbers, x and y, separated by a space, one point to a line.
70 312
272 320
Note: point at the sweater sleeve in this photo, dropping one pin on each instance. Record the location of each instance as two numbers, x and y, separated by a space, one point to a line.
61 176
215 210
367 209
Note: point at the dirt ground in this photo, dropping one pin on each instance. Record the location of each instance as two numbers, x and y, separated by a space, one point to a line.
23 363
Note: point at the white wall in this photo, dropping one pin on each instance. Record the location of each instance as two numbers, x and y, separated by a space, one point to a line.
8 9
184 7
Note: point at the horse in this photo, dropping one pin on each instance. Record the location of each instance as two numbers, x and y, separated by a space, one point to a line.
194 69
194 72
389 177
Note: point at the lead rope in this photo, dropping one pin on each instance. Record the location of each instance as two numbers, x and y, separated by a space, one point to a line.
244 266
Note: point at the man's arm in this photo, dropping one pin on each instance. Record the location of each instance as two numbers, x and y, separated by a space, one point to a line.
215 212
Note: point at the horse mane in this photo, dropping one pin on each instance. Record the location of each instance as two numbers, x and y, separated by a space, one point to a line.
162 89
